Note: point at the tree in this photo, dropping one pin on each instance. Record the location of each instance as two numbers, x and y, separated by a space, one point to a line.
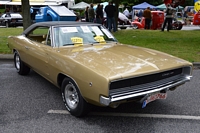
26 13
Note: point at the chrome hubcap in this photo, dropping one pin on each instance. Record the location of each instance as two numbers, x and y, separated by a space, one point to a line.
135 26
71 96
17 62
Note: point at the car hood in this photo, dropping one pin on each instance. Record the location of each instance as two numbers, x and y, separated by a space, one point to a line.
119 61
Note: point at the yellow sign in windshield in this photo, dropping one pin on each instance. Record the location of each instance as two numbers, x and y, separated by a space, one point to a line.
77 41
100 39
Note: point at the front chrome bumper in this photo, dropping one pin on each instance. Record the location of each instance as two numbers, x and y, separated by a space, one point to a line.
142 90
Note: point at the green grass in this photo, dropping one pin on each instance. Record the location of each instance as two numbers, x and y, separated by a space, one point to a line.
183 44
4 33
2 10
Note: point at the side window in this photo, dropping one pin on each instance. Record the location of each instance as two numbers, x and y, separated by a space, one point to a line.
8 15
39 34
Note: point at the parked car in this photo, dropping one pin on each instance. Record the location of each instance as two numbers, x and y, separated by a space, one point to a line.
11 20
90 66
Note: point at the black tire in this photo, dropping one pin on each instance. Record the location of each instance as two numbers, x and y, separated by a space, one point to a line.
177 25
135 26
22 68
72 99
123 28
180 26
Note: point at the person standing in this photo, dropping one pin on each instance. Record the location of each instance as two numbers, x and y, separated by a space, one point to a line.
147 16
168 18
91 13
140 14
110 12
99 14
86 14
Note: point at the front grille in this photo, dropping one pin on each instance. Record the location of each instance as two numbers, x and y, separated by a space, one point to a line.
145 79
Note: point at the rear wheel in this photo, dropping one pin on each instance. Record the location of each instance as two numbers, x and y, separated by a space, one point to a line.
123 28
72 98
22 68
177 25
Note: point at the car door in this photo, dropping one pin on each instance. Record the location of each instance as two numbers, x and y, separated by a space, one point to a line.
36 50
50 62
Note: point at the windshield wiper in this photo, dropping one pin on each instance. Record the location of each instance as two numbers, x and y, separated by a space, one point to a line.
68 44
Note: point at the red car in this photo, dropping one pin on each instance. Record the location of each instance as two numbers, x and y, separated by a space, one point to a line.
157 22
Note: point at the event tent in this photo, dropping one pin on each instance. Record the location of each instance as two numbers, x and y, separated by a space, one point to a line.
143 5
163 7
79 6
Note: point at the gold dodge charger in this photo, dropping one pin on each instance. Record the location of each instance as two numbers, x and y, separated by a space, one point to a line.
90 66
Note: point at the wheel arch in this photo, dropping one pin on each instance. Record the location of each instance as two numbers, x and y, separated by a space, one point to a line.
14 50
60 79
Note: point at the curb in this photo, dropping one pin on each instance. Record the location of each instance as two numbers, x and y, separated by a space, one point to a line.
196 65
6 57
10 57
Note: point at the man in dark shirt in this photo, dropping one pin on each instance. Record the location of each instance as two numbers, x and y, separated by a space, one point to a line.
110 12
99 14
147 16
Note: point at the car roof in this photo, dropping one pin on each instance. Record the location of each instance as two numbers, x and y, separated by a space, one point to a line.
58 23
12 13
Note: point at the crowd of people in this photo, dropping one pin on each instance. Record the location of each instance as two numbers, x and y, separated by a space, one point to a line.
147 14
97 16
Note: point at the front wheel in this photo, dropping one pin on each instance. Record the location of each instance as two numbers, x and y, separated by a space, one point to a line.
72 98
22 68
135 26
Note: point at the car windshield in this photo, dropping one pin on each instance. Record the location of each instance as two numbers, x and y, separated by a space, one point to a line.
82 35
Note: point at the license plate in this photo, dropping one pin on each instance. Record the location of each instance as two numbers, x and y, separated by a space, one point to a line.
154 97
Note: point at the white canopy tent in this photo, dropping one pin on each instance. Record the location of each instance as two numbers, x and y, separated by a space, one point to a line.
3 2
40 2
79 6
